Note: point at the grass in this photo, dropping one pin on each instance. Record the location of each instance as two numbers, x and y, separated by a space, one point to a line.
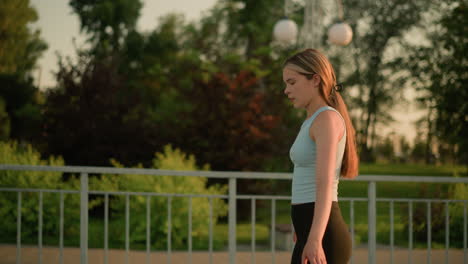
412 169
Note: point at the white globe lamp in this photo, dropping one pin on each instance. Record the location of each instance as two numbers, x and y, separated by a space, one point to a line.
285 31
340 34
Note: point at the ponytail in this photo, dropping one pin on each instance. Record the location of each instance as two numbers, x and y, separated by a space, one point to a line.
350 164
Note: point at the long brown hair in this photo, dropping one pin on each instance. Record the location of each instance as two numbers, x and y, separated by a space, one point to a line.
310 62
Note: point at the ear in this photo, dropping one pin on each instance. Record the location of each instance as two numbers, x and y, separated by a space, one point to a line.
315 80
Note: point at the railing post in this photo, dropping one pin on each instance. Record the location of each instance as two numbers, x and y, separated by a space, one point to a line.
232 220
371 222
84 218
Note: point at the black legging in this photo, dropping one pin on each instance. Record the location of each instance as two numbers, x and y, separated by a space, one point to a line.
336 240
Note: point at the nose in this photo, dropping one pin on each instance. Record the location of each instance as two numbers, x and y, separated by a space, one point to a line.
286 90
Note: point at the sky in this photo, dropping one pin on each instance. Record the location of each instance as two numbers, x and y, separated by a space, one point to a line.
59 27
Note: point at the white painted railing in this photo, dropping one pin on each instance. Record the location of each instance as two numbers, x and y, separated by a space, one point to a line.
232 198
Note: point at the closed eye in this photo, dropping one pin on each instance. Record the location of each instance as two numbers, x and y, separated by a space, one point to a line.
290 81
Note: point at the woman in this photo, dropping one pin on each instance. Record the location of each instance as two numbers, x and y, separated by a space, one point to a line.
323 151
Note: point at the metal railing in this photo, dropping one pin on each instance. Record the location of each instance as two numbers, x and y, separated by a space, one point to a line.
232 197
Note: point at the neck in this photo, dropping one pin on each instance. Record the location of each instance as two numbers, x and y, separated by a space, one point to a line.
312 107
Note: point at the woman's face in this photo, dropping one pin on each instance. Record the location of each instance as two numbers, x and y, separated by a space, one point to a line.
300 90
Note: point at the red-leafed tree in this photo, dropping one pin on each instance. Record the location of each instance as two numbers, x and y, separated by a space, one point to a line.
229 124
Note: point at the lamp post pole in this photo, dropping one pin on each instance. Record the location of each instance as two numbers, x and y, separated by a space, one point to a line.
315 19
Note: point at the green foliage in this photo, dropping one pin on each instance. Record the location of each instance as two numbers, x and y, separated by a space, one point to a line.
96 95
219 80
421 151
14 153
170 159
249 25
20 46
145 85
373 77
4 121
459 192
22 106
107 21
385 150
439 71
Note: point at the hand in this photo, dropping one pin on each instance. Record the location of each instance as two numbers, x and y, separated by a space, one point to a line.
313 253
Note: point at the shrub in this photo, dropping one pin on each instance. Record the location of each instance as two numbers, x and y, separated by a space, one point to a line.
14 153
459 192
171 159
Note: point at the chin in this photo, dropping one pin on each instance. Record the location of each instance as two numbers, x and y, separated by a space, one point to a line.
297 106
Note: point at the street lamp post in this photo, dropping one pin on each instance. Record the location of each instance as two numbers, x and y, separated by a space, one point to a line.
286 30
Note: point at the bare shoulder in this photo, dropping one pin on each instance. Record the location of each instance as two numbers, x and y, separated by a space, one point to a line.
328 124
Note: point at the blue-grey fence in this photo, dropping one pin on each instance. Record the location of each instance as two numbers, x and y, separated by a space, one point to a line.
232 197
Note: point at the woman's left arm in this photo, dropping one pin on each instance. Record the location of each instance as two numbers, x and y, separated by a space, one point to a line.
326 131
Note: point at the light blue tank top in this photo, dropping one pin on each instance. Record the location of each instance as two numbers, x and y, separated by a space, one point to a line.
303 154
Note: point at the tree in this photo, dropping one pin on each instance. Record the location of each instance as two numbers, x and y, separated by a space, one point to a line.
439 71
109 90
107 21
405 149
166 69
186 78
20 47
92 116
422 151
250 24
22 105
229 112
425 139
5 121
365 66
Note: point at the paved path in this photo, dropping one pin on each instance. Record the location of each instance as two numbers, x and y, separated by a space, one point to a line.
50 255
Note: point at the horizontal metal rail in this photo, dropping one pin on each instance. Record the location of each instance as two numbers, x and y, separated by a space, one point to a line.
225 174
